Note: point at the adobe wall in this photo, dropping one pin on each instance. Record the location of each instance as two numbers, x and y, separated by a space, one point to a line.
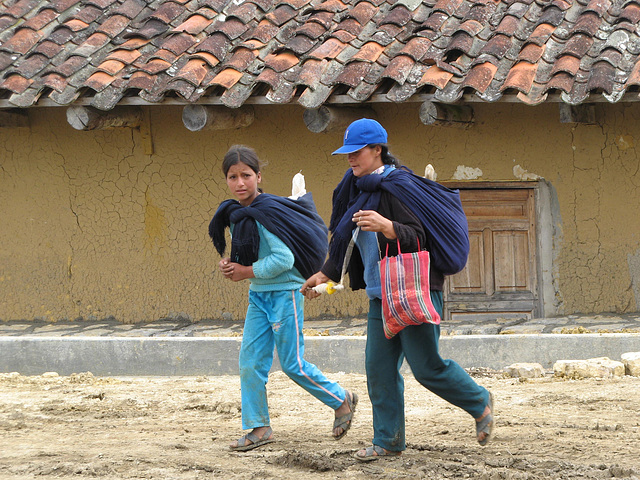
94 228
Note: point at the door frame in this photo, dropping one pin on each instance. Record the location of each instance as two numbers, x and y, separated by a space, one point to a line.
547 233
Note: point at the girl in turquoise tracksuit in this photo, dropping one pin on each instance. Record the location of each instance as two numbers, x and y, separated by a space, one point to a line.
289 239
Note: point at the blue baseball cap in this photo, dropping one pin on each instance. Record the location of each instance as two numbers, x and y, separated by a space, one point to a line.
361 133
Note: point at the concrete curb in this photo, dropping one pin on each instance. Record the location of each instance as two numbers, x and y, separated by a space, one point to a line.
109 356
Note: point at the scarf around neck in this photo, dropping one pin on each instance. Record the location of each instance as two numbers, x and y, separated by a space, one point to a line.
438 208
295 222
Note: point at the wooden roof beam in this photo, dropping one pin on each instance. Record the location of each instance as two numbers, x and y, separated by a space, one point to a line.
330 119
204 117
432 113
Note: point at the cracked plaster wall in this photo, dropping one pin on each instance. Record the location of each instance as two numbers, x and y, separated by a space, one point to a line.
94 228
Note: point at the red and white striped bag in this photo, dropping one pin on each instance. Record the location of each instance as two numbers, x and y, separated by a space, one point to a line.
406 297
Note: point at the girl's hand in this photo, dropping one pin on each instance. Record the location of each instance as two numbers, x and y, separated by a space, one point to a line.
316 279
224 266
234 271
372 221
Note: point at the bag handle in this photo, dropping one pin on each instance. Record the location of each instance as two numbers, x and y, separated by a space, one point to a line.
386 254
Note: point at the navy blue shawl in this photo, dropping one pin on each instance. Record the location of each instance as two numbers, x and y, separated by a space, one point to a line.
439 209
295 222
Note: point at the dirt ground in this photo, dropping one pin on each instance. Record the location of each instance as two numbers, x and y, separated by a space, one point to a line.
179 428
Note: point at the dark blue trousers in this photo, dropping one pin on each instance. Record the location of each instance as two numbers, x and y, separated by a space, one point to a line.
419 345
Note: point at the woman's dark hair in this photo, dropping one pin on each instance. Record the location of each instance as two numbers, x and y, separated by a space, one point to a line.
241 154
387 158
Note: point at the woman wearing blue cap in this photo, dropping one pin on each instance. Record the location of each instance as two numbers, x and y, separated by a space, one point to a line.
390 204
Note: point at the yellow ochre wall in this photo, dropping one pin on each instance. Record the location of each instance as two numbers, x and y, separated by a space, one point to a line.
92 227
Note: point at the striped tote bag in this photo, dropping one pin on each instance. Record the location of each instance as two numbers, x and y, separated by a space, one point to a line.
406 297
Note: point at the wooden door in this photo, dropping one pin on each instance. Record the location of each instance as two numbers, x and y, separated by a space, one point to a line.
499 280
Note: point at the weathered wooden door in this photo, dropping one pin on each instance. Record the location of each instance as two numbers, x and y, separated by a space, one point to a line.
499 280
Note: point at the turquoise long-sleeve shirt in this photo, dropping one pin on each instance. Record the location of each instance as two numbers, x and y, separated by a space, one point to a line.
274 269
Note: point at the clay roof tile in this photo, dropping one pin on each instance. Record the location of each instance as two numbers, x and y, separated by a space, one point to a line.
217 44
311 71
227 78
92 44
300 44
435 21
232 28
541 34
598 6
142 80
281 14
178 43
369 52
99 81
447 6
578 45
134 44
71 65
22 41
634 76
20 8
354 73
399 68
520 76
602 75
48 48
480 76
16 83
551 15
531 53
611 55
497 46
62 5
193 25
363 12
125 56
631 12
193 71
101 4
244 12
508 25
588 23
435 76
75 25
55 82
32 65
350 25
343 36
241 59
42 19
398 15
130 8
207 57
561 81
311 29
154 66
329 49
114 25
566 63
281 61
111 66
167 12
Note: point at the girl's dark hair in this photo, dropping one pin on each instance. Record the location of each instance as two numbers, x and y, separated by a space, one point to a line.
241 154
387 158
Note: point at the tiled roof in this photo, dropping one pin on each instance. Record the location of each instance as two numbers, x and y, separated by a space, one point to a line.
316 51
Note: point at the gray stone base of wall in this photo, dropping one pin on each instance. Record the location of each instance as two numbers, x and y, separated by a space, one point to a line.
108 356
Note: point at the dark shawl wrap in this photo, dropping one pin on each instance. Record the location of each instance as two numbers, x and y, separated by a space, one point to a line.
439 209
295 222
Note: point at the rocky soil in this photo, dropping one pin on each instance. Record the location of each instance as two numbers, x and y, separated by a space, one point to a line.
179 428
